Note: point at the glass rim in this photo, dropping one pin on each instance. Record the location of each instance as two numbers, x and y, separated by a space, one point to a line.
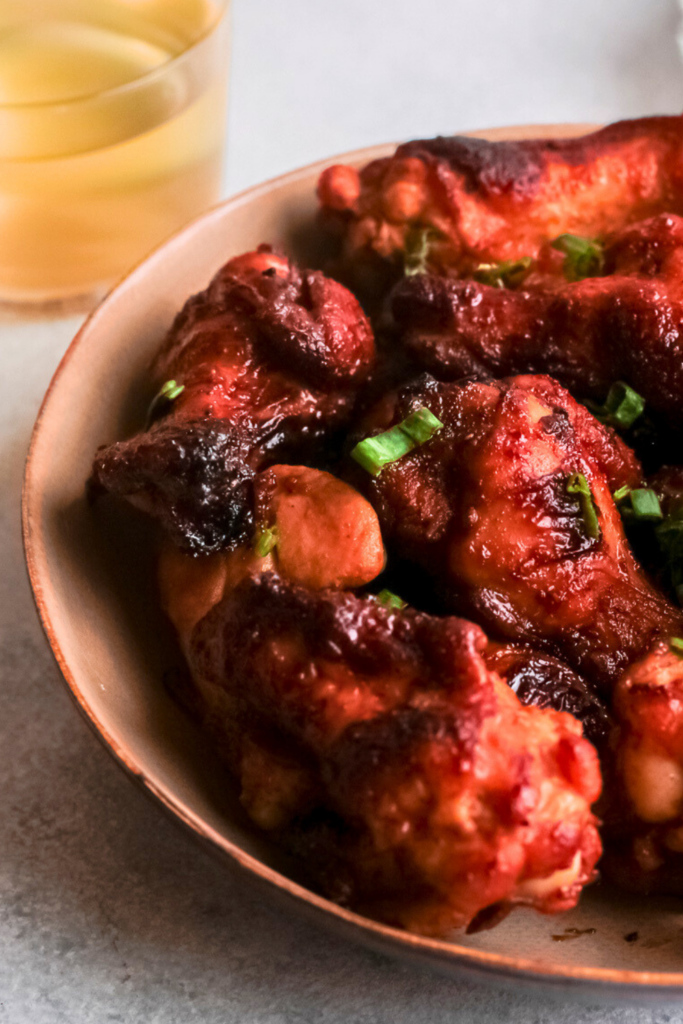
117 90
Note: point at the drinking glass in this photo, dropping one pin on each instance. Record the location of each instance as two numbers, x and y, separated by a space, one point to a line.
112 127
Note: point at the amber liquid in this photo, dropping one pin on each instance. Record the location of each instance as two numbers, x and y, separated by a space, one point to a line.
111 135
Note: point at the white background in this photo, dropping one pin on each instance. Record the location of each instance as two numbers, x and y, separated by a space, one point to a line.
317 77
108 912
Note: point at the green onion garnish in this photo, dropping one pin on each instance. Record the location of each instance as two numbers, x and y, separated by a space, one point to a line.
622 406
584 257
676 645
164 397
622 493
507 274
390 600
639 503
265 542
577 484
417 245
645 505
374 453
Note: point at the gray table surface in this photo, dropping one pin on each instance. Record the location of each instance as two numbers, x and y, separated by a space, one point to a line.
108 911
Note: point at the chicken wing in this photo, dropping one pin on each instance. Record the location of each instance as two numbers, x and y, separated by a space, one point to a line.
626 324
481 201
265 363
509 506
376 743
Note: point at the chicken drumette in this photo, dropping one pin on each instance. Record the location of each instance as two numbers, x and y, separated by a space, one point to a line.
265 363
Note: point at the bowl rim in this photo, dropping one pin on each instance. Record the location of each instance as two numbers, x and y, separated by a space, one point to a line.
609 982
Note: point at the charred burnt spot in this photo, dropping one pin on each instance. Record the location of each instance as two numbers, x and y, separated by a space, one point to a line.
397 743
517 168
194 476
562 511
493 168
543 681
558 425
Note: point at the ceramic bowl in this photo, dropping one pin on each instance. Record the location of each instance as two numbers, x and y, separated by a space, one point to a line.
93 580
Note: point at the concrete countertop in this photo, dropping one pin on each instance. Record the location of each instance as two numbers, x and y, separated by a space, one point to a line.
108 911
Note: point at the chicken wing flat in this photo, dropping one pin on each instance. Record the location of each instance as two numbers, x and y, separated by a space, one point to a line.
509 506
265 362
480 201
626 324
377 742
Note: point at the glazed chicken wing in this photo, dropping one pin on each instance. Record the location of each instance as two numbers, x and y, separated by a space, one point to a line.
265 363
626 324
510 507
377 743
482 201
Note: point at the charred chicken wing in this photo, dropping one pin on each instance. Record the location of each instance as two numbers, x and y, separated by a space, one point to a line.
265 362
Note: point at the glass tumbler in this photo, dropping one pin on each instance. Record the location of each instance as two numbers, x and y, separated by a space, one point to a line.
112 128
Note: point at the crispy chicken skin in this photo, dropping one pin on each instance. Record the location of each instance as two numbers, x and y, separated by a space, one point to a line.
378 743
625 325
485 506
489 201
270 359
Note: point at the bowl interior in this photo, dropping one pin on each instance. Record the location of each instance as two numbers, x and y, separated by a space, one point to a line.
92 570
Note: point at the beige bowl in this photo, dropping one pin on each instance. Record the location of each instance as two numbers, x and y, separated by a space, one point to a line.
92 576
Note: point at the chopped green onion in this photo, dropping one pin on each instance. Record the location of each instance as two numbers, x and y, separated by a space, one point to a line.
645 504
577 484
622 493
420 425
374 453
584 257
642 505
164 397
417 245
503 275
676 645
265 542
623 405
390 600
